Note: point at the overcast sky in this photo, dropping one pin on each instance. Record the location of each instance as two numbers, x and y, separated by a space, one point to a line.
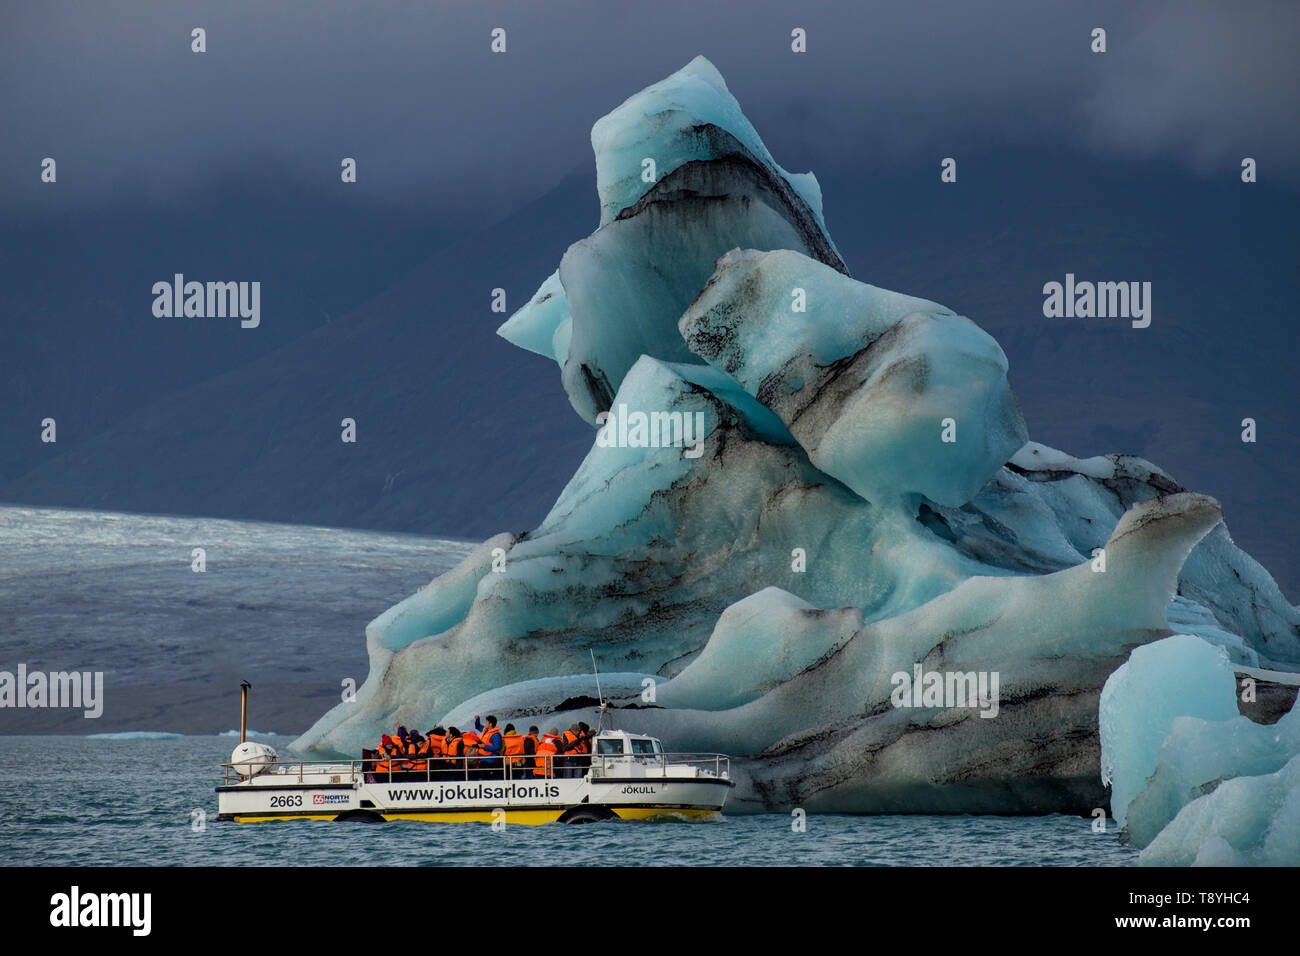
113 92
228 161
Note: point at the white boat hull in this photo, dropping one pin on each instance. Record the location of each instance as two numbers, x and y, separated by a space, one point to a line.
325 795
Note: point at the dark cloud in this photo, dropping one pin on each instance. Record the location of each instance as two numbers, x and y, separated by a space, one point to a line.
1203 82
113 92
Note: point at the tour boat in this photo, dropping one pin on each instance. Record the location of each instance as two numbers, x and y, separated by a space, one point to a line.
627 776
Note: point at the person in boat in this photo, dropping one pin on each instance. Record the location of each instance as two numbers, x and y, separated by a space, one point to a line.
561 760
585 733
397 749
519 751
438 748
470 739
417 749
436 738
393 751
530 750
405 750
547 748
454 749
490 744
382 763
571 746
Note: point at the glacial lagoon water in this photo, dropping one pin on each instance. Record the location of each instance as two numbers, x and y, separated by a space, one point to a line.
85 801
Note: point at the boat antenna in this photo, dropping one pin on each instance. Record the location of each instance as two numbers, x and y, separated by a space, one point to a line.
600 719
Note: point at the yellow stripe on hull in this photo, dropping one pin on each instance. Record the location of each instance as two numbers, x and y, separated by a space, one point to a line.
645 813
525 817
471 816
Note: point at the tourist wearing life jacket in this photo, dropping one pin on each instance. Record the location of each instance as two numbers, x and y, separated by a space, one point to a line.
585 733
512 746
569 742
384 765
437 749
397 749
489 744
530 751
417 748
471 762
547 747
392 750
436 739
454 748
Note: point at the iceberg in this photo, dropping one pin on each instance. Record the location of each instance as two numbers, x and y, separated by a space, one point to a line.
683 178
867 380
536 327
1194 781
813 703
1182 676
689 117
862 510
1245 821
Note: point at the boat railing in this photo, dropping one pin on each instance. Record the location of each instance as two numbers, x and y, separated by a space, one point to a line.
615 765
478 767
338 771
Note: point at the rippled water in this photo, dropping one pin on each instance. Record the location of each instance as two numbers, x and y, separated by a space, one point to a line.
80 801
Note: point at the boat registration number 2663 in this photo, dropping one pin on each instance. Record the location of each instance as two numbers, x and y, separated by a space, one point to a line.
288 800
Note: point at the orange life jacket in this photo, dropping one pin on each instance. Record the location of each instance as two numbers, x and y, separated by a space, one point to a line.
512 745
399 751
437 744
542 763
455 747
485 741
420 752
570 738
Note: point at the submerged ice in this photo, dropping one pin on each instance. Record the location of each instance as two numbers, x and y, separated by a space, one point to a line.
864 502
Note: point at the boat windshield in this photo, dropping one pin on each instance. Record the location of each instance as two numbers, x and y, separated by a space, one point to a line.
642 746
608 746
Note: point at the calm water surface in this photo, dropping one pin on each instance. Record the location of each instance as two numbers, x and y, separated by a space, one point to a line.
77 801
